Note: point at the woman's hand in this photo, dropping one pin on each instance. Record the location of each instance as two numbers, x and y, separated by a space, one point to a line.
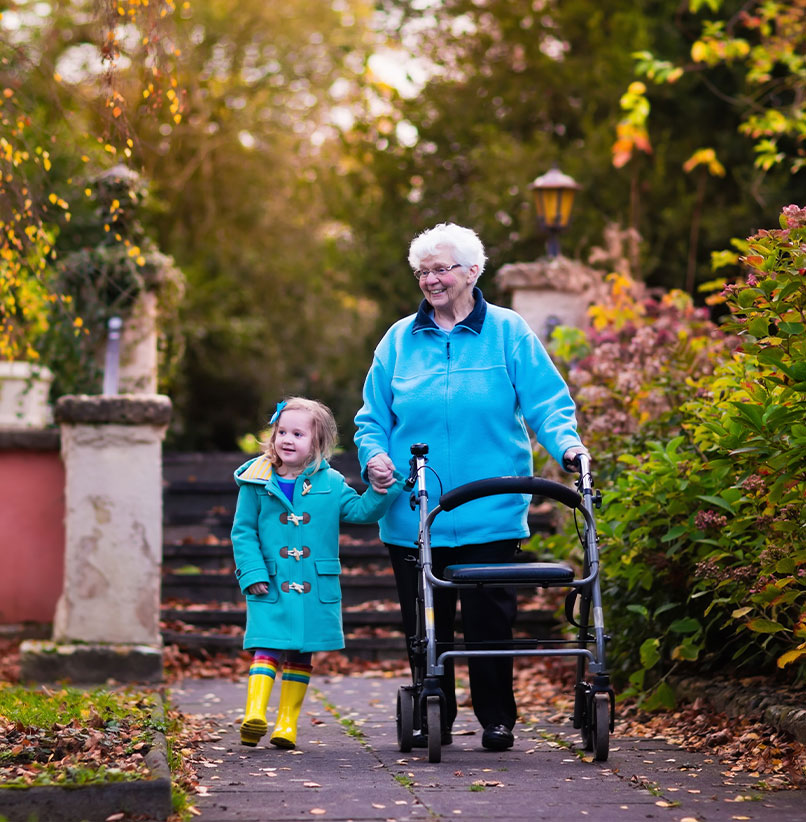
258 588
570 455
381 472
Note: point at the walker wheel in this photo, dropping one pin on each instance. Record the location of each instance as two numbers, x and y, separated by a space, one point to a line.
405 719
434 725
600 727
586 730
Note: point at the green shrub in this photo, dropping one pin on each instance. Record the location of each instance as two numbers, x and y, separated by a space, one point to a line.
704 558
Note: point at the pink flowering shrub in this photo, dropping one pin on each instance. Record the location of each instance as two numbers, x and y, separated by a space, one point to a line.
635 370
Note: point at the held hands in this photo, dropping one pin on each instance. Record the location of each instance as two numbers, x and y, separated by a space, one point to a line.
258 588
381 472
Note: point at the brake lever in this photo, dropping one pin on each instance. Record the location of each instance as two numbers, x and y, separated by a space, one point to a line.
411 481
572 465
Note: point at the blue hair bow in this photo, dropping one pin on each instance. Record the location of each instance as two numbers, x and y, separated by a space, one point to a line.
277 412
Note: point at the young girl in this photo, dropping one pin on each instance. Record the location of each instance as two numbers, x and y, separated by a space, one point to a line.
285 538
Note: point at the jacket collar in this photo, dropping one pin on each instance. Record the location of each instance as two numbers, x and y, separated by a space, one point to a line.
261 472
473 321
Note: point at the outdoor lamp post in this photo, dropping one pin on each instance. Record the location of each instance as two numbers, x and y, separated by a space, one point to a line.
554 199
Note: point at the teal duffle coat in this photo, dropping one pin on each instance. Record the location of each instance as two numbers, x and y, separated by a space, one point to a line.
293 546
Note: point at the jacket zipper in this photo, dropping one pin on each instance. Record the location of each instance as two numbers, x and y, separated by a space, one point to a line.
447 417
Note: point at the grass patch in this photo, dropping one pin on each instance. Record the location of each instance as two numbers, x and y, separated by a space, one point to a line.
73 737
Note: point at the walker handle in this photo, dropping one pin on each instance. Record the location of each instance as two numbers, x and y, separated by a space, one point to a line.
510 485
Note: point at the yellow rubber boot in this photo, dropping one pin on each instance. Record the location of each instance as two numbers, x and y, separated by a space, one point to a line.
258 691
292 694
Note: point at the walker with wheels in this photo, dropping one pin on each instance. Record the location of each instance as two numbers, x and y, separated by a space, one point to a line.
420 706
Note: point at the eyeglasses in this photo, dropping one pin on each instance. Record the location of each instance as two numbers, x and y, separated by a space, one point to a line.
422 273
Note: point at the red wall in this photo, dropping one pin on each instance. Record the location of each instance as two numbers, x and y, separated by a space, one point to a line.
31 535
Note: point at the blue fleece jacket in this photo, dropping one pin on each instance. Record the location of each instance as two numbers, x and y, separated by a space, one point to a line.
468 394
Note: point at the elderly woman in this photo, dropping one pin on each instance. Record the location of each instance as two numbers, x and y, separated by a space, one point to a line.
465 377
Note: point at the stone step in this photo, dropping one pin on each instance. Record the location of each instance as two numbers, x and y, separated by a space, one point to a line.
531 620
223 587
215 617
357 544
371 648
217 468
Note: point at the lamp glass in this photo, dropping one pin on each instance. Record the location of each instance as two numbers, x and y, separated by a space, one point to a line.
553 206
566 204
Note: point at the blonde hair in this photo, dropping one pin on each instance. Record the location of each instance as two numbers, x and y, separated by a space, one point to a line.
325 433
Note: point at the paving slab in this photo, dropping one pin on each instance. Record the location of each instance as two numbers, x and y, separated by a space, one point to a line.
347 766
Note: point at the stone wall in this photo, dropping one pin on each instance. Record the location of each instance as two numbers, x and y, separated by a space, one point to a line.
31 525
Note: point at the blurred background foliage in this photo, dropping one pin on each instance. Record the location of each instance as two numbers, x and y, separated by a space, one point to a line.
293 148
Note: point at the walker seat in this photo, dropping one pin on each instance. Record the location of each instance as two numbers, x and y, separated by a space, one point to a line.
542 574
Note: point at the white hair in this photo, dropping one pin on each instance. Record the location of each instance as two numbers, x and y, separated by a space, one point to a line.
465 244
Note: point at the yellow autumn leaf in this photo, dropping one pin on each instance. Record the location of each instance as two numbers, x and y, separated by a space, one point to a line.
708 158
791 656
699 52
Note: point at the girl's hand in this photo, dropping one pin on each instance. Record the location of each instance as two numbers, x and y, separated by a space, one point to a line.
381 472
258 588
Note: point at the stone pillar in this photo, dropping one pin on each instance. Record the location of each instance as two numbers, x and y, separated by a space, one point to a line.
138 347
107 618
552 291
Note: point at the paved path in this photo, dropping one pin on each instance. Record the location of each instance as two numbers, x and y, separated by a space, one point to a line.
347 767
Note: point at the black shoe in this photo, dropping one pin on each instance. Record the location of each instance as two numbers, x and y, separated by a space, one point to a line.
497 738
421 740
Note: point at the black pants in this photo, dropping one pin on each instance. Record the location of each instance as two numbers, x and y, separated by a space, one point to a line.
487 614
